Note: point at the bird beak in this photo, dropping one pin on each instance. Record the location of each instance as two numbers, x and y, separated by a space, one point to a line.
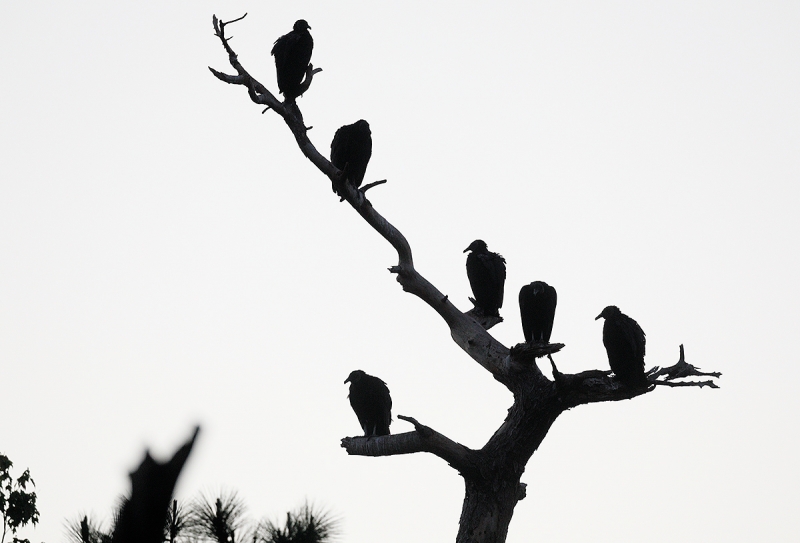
598 316
347 380
465 250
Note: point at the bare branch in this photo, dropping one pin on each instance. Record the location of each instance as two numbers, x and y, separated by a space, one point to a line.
486 321
528 352
365 188
700 384
598 386
681 370
422 439
258 92
465 330
593 386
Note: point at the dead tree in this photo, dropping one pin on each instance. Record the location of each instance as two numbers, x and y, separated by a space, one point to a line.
491 474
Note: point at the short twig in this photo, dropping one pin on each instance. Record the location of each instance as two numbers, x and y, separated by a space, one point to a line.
223 24
365 188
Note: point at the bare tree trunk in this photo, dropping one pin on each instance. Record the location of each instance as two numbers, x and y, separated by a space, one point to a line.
487 511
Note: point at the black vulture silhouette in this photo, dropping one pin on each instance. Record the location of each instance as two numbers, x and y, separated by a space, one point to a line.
351 149
292 54
486 272
537 307
369 398
624 340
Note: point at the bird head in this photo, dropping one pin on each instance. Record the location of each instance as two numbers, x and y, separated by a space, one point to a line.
355 376
478 246
301 25
362 125
538 287
609 311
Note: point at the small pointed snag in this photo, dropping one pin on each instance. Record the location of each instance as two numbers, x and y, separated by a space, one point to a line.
365 188
236 20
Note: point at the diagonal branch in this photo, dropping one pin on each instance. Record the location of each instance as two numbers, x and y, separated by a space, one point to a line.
465 331
422 439
468 330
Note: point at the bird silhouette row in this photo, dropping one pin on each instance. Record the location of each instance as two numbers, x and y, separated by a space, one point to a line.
351 150
623 338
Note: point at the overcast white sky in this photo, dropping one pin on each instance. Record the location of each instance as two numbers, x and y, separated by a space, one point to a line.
168 257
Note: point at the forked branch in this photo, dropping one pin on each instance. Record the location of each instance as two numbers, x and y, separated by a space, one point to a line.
682 370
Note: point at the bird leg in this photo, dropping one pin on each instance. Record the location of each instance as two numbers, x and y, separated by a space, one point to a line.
558 377
341 179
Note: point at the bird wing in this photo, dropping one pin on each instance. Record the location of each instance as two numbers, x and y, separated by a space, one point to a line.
496 272
634 335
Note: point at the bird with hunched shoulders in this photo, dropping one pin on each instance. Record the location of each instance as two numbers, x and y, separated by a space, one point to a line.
537 309
486 272
351 149
292 54
624 340
370 399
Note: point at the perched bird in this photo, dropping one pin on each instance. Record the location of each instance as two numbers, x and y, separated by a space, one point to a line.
487 276
292 54
351 150
624 341
369 397
537 307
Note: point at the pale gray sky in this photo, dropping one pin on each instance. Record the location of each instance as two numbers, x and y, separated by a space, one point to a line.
168 257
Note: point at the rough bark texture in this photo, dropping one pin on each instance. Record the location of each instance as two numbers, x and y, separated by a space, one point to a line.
491 474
